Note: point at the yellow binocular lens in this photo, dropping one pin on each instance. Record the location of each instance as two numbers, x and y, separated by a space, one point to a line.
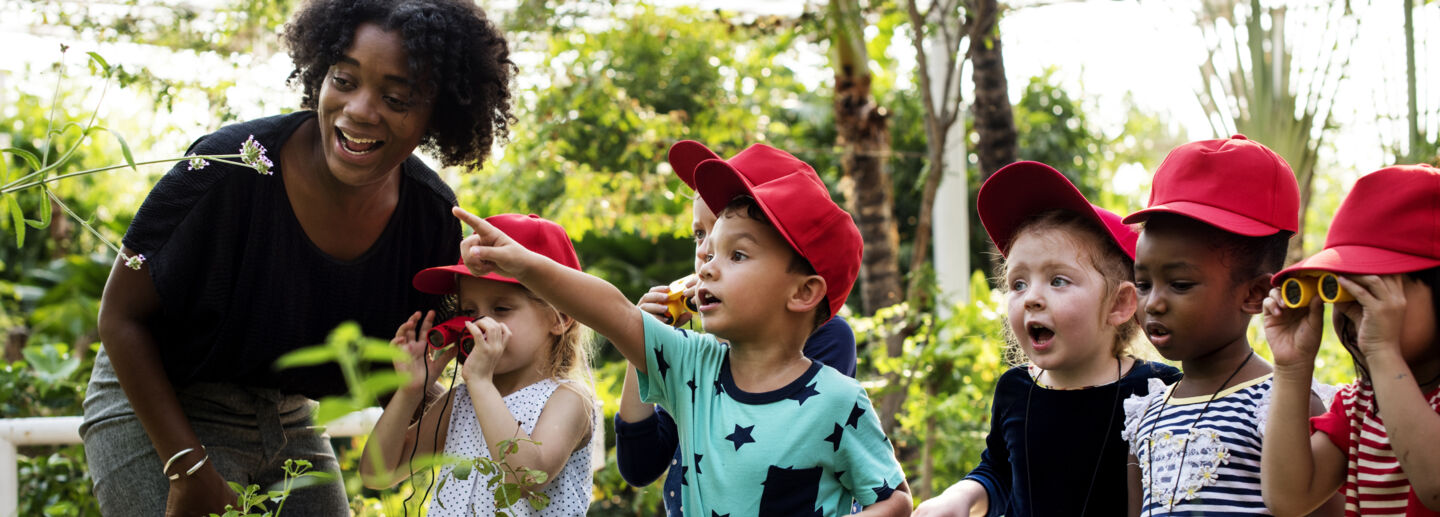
1298 290
675 301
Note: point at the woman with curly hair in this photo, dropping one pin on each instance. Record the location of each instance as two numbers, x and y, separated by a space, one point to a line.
224 270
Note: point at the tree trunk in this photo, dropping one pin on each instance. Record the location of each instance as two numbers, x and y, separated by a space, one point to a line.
994 117
865 137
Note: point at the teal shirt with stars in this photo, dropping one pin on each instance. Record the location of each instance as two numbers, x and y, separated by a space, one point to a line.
808 448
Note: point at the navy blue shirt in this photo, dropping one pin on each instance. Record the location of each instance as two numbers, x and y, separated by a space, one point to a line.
1071 443
646 449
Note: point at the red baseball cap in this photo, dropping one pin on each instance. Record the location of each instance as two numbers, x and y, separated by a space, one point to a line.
1234 184
1388 224
1022 189
797 203
686 155
531 231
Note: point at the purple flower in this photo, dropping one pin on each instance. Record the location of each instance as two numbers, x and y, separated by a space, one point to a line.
253 154
135 262
198 163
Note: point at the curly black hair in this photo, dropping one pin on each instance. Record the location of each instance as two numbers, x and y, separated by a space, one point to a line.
462 57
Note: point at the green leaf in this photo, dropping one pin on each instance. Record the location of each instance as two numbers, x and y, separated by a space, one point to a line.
382 382
308 356
19 217
44 209
462 472
124 147
104 65
382 352
28 156
332 408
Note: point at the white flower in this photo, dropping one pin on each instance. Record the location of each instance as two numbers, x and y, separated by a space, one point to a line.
198 163
135 262
253 154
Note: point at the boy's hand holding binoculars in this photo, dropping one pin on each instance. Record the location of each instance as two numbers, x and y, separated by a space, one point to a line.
672 304
489 250
490 338
411 338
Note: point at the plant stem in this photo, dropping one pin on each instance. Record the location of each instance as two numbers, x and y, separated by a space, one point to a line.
12 187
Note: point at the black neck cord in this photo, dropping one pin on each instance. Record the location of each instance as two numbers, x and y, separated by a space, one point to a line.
419 425
1029 490
1189 433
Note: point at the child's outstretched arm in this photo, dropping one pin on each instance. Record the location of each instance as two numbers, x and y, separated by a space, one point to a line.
1410 423
563 425
591 301
392 442
1298 470
964 499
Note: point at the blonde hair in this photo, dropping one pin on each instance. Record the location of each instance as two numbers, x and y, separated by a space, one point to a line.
1106 258
569 354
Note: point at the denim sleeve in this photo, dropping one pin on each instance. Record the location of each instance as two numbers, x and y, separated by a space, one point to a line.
643 449
833 344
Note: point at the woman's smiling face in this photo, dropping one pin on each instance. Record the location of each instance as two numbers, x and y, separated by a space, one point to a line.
372 114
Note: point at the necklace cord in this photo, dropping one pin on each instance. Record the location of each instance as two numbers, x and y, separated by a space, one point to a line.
1029 486
1189 432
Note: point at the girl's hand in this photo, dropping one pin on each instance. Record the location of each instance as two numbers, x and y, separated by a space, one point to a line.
413 342
1294 334
489 250
1379 311
490 339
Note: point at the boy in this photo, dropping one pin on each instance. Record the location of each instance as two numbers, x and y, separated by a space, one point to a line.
1220 215
763 430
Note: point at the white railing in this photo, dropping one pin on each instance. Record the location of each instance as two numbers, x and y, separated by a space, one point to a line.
65 430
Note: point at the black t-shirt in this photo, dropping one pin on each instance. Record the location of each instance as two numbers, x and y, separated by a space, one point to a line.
1070 434
240 283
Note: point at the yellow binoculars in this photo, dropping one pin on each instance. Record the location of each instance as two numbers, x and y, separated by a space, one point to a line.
675 301
1299 289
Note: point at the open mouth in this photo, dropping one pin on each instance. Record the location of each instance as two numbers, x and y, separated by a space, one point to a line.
1156 331
356 145
707 300
1040 335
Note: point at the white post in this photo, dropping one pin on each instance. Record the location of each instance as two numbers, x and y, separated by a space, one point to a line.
9 479
950 230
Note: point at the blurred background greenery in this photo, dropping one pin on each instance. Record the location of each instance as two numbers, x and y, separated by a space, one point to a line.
606 86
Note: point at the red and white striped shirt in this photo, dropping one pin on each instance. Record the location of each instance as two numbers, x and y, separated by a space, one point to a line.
1374 483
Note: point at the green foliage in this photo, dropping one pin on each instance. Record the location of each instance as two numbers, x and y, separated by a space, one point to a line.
948 371
57 484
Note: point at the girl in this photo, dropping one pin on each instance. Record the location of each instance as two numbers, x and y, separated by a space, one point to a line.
1054 446
1376 442
1221 214
527 379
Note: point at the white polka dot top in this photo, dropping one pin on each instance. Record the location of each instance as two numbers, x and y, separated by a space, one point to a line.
569 492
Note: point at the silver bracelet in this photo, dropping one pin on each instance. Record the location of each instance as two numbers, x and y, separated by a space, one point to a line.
189 471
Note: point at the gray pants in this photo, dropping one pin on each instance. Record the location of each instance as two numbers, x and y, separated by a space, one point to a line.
248 433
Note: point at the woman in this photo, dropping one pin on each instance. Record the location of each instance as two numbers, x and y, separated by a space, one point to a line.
241 267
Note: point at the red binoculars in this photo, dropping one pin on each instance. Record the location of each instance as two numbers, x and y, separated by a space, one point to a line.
452 332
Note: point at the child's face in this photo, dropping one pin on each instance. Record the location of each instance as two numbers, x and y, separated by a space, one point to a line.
700 227
746 280
1417 331
1058 302
533 325
1189 304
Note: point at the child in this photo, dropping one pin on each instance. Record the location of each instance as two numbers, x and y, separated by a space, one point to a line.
1054 446
646 444
527 379
1220 215
765 430
1383 241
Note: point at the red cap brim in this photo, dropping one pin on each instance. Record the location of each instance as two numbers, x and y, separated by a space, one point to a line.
1217 217
1358 260
441 280
685 156
1022 189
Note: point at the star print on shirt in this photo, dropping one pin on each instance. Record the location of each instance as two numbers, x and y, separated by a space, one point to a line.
660 362
719 388
884 489
834 437
684 475
698 470
713 514
693 387
805 393
741 436
855 415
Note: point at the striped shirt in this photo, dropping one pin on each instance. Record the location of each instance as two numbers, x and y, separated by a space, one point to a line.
1219 447
1374 483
